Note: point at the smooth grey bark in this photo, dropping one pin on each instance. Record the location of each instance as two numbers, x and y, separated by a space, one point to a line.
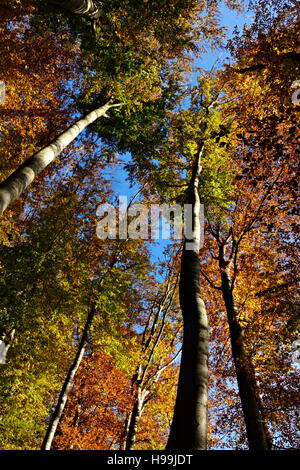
62 399
135 417
189 425
14 185
258 437
90 8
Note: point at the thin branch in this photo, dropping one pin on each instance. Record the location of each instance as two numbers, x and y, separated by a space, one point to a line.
250 225
209 280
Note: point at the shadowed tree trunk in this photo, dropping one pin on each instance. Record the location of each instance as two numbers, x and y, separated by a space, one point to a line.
14 185
90 8
258 436
189 426
135 416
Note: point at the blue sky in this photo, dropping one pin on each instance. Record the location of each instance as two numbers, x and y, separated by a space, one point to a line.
120 184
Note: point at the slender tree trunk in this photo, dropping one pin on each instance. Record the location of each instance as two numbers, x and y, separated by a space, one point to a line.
256 432
134 419
141 382
189 426
6 340
90 8
14 185
62 399
125 433
56 416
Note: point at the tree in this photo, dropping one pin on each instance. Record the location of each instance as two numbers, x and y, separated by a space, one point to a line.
191 403
265 165
97 405
158 342
13 186
189 139
62 399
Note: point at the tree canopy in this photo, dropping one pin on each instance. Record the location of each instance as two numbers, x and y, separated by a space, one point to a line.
117 341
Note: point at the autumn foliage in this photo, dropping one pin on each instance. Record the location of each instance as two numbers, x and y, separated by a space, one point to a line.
227 138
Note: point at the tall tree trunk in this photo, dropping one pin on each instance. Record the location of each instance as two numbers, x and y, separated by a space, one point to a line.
125 432
189 426
134 419
257 434
90 8
62 400
14 185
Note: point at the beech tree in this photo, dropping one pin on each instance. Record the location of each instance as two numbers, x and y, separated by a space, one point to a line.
13 186
265 169
186 143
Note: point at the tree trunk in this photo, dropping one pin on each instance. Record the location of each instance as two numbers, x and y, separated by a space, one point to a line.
141 383
56 416
134 419
88 8
14 185
257 435
125 432
6 340
189 426
62 399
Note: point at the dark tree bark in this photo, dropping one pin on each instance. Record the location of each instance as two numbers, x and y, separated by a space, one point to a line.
258 436
189 426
